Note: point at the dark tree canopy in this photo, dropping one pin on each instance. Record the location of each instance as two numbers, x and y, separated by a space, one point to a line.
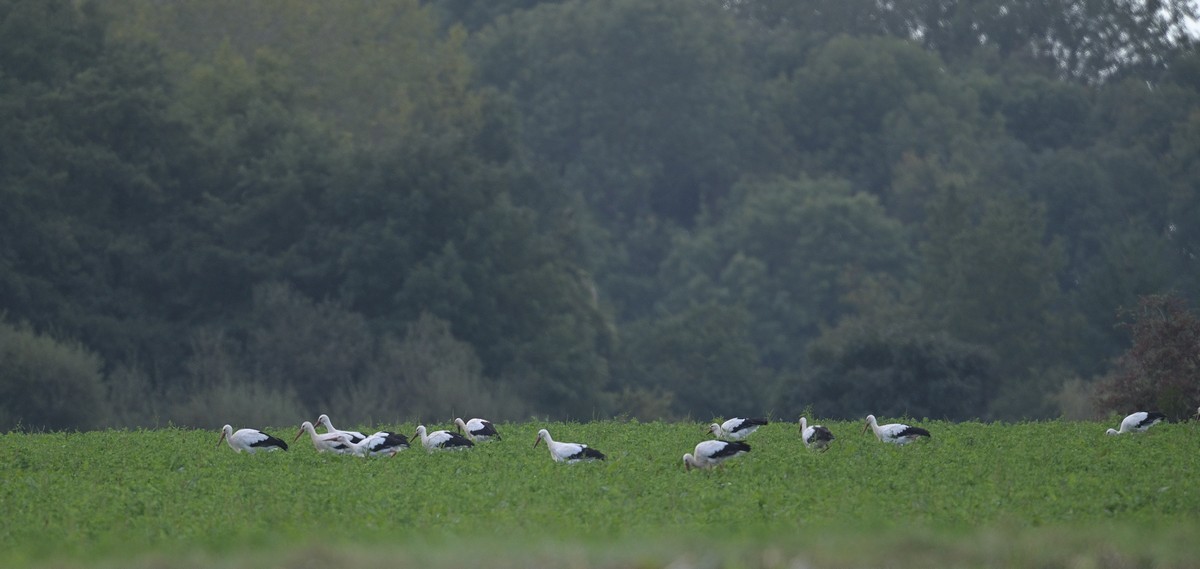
586 208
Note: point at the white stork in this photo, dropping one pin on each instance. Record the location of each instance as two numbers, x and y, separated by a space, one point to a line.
815 436
379 444
736 429
443 440
250 440
567 452
324 441
708 454
1139 422
895 433
355 436
478 430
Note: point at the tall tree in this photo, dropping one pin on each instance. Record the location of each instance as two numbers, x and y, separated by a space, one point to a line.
993 280
87 171
785 250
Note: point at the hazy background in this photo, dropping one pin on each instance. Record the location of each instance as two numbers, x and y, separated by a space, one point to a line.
251 212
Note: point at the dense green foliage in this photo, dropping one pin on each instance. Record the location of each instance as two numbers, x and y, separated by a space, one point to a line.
120 494
579 209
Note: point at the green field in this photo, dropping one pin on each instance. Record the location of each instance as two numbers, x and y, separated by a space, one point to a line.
986 495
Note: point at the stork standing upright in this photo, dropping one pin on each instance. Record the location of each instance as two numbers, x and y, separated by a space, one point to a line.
442 440
708 454
815 436
1139 422
895 433
736 428
478 430
250 440
567 452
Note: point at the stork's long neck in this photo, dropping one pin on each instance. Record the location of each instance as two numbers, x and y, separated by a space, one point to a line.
803 424
312 432
875 428
551 444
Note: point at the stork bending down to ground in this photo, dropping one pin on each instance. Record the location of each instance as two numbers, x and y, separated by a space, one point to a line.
567 452
325 441
250 440
736 429
382 443
1139 422
442 440
355 436
895 433
816 436
478 430
708 454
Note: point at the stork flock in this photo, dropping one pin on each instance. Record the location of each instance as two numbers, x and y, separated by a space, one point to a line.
728 442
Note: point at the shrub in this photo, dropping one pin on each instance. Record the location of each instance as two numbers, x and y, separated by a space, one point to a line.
1159 370
48 384
894 371
429 375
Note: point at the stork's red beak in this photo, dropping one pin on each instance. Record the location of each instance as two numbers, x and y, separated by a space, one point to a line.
298 435
536 441
866 426
220 440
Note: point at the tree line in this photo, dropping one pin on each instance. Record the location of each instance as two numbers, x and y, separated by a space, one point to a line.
227 212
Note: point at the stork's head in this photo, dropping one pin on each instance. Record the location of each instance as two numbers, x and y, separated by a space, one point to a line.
688 462
1111 432
458 422
715 429
226 431
870 422
305 426
541 434
323 420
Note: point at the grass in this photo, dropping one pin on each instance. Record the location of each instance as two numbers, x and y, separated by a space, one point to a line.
1029 494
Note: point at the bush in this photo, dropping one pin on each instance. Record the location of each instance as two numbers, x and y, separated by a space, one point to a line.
860 369
429 375
1159 371
47 384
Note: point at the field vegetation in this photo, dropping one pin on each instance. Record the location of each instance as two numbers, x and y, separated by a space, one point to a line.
975 494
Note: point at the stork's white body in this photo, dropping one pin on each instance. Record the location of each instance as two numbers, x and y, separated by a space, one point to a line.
478 430
325 442
250 440
567 452
708 454
355 436
442 440
381 443
736 429
895 433
815 436
1138 422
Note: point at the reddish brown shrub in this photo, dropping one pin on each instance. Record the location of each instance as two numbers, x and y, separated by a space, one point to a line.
1161 370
